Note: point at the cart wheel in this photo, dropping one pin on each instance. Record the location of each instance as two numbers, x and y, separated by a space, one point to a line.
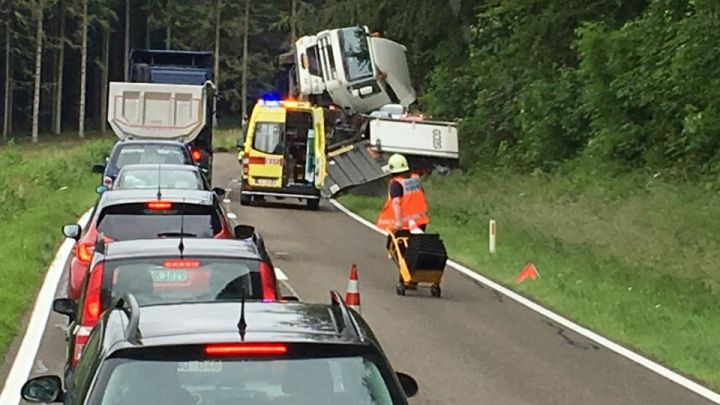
400 289
435 290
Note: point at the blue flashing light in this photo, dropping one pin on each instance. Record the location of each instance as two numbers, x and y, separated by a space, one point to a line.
269 103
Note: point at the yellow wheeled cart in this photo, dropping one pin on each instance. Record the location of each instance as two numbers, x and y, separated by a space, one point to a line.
420 259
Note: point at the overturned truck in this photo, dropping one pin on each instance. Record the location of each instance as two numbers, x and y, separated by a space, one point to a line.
362 82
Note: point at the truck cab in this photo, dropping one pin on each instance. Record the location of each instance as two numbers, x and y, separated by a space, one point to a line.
283 152
353 69
172 67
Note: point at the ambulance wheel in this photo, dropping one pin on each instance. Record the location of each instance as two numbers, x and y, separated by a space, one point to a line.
400 289
313 203
245 199
435 290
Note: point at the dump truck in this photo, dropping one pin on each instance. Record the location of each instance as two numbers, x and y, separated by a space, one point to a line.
362 82
162 80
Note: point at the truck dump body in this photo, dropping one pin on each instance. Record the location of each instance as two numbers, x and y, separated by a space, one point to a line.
422 138
157 111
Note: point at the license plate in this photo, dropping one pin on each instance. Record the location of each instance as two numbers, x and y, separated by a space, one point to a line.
265 182
200 367
169 276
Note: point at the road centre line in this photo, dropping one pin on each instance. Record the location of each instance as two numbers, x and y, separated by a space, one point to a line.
607 343
25 358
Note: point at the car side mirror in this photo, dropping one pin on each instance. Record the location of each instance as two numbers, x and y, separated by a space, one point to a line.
219 191
409 385
43 389
99 168
244 231
72 231
64 306
101 189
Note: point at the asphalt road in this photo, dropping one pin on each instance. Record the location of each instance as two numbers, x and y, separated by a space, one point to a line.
471 346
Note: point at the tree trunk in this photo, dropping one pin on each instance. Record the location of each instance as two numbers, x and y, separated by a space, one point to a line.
83 70
293 23
168 25
216 73
246 28
104 78
7 112
147 27
57 111
38 72
126 63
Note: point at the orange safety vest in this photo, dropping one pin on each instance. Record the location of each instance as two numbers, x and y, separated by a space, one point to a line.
412 205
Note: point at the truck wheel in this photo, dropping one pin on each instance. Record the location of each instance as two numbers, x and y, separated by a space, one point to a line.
245 199
313 203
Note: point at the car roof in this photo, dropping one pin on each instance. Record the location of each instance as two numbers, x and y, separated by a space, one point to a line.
161 167
170 142
128 196
193 247
214 322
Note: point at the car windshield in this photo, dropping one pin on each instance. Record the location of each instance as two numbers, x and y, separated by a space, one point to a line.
172 280
149 178
149 154
355 54
316 381
268 137
135 221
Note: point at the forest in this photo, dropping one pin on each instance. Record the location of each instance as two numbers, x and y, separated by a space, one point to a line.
535 84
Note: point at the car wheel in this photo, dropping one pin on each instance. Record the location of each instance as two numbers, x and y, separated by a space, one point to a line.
313 203
435 290
245 199
400 289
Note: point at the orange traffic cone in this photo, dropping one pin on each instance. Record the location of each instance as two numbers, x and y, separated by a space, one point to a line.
529 271
352 295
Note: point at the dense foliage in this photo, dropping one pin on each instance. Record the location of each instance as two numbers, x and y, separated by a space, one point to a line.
630 83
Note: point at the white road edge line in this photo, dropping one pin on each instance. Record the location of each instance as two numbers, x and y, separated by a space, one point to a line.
25 358
607 343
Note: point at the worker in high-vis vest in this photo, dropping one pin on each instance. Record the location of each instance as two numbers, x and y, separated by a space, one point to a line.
405 206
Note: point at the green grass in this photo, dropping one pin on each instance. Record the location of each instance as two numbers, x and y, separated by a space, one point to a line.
225 139
630 256
42 187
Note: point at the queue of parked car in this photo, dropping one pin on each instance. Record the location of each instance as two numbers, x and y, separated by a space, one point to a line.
171 303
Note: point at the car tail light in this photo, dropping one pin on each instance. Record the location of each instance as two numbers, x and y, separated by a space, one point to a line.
92 304
246 349
196 155
80 338
181 264
84 252
267 279
158 205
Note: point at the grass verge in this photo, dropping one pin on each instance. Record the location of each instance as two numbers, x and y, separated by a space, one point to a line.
42 187
631 257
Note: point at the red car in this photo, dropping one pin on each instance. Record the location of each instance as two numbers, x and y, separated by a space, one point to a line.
165 271
144 214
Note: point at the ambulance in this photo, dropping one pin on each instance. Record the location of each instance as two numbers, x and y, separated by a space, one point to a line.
282 152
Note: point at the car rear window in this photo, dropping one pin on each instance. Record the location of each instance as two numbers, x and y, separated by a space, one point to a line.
174 280
317 381
168 179
149 154
268 137
137 221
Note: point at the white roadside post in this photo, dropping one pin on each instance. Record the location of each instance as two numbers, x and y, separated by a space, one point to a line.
492 232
